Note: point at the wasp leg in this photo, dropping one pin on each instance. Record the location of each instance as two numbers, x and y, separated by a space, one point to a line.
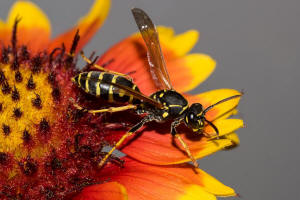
102 68
182 142
129 133
110 109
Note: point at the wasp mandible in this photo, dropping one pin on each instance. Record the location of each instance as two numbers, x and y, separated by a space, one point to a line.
164 105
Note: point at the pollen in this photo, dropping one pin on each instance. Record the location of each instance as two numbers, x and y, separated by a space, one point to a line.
23 116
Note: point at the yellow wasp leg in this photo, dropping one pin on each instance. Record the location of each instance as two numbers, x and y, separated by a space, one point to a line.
126 135
101 68
187 150
102 162
110 109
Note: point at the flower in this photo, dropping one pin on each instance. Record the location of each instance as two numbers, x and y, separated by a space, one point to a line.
44 151
51 150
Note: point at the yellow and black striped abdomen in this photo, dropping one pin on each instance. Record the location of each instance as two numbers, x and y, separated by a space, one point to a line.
104 86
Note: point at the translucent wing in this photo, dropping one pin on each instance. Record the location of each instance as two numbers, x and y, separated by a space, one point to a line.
155 57
136 94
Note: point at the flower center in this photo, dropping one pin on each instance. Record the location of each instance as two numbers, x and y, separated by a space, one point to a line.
26 108
48 148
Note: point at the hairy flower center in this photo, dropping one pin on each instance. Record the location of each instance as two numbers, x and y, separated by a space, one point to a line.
48 149
26 109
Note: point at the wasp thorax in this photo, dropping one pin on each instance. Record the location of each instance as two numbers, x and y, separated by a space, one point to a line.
194 118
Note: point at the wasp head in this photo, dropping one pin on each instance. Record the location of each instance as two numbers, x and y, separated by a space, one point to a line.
194 117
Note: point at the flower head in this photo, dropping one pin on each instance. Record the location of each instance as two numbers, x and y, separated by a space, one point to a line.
51 150
44 153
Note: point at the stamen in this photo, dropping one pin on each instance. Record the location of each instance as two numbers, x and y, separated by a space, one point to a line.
56 94
51 78
3 158
44 126
75 43
15 64
4 56
26 136
55 164
28 167
18 77
17 113
37 102
6 129
24 53
5 88
15 94
2 77
30 84
52 55
36 65
14 36
62 54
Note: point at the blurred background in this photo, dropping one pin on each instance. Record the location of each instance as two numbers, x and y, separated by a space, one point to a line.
256 45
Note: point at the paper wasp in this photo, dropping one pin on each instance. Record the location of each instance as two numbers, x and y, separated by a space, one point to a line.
164 105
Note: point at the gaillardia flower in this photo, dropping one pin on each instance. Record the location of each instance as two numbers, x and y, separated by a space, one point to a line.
51 150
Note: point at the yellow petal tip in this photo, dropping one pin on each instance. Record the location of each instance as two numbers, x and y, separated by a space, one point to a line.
31 16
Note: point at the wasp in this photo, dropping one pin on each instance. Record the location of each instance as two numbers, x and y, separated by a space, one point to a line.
164 105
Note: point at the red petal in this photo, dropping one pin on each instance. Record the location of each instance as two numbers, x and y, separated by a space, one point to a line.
150 182
186 71
156 146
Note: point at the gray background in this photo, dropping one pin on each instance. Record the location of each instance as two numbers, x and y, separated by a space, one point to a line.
256 44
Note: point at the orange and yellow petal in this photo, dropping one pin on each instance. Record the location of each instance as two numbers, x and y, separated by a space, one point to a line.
87 26
105 191
186 71
151 182
225 126
234 138
211 97
158 147
34 28
189 71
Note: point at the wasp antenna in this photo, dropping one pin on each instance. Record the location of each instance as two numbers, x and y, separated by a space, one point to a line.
213 126
222 101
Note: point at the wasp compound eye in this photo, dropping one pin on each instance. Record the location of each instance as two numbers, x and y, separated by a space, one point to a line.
194 118
196 108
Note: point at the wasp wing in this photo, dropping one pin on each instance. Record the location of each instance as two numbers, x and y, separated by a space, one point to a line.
136 94
129 91
155 57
